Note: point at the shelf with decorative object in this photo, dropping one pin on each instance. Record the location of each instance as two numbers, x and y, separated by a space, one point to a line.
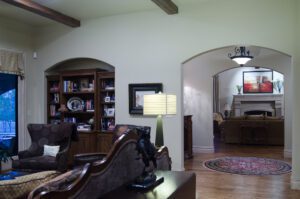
85 97
53 99
106 81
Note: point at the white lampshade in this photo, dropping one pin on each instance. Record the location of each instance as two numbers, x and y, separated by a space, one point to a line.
227 107
159 104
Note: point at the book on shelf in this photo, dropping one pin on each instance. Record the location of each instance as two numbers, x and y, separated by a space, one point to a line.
52 110
71 86
70 119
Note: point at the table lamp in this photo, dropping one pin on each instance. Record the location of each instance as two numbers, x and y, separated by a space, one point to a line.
159 104
226 110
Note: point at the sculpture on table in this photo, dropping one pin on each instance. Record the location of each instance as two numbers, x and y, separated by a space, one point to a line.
147 150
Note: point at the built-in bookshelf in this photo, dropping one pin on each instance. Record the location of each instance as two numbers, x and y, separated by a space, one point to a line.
78 96
85 97
107 101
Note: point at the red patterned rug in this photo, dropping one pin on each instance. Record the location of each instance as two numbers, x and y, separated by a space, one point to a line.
249 166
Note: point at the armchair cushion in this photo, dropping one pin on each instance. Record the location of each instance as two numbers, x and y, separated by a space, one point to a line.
51 150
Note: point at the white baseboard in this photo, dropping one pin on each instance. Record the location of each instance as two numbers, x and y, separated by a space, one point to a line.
203 149
287 153
295 184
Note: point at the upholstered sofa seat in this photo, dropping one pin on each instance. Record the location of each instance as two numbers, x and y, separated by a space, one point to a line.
253 129
36 163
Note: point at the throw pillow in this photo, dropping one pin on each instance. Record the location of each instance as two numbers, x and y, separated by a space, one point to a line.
51 150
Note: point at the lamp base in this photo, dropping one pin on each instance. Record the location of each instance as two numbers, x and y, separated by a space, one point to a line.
159 138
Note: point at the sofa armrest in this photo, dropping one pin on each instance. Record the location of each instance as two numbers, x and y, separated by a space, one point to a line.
62 160
25 154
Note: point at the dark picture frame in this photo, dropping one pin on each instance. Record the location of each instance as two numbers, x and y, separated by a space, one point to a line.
258 81
136 93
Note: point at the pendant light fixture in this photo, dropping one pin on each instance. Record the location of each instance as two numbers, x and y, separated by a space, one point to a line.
241 56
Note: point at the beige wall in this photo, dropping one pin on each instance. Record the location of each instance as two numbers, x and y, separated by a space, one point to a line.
151 47
295 179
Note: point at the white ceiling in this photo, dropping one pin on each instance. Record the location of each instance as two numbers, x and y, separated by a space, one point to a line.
83 9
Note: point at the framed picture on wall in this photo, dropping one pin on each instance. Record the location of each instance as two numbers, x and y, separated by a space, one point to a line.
136 95
258 81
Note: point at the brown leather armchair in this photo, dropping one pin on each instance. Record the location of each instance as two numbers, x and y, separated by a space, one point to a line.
46 134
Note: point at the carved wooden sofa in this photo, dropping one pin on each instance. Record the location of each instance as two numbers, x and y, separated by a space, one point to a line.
121 166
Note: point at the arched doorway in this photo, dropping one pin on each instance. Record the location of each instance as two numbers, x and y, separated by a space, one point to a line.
198 75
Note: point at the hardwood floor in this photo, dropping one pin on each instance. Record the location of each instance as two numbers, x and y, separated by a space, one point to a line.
218 185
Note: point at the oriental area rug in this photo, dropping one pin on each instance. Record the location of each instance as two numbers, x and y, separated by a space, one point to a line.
248 166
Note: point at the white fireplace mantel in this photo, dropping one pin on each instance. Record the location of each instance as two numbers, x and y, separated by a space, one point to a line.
262 102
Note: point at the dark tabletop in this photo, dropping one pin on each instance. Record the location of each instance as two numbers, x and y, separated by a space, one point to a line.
174 182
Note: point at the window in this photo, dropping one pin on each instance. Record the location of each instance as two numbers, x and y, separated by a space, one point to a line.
9 112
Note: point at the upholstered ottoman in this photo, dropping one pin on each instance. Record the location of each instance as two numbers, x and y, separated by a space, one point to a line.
21 186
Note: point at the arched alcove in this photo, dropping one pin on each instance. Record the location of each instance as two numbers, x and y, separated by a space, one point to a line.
79 63
198 73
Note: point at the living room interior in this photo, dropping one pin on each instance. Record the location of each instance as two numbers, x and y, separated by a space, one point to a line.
140 43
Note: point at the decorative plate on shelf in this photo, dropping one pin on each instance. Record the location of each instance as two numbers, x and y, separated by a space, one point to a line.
75 104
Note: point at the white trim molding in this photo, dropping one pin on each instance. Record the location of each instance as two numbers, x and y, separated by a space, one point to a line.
287 153
295 183
203 149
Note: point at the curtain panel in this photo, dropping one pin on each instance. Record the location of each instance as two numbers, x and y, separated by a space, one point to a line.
11 62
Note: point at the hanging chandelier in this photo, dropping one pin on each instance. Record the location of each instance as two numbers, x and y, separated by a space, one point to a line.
241 56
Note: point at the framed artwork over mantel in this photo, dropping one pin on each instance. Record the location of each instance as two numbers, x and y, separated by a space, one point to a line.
258 81
136 95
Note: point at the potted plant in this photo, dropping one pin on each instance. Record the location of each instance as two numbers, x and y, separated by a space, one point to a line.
278 85
239 88
4 156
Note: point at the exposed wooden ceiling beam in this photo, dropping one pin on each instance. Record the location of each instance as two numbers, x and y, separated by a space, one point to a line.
45 12
167 5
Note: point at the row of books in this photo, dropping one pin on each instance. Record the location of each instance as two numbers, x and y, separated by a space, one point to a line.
75 86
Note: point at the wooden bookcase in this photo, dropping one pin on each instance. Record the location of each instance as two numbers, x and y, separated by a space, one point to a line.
53 99
106 85
89 98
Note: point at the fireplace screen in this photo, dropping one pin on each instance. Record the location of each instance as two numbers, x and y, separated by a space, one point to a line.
258 81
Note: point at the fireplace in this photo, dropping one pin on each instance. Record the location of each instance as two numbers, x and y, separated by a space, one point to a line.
258 112
272 104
